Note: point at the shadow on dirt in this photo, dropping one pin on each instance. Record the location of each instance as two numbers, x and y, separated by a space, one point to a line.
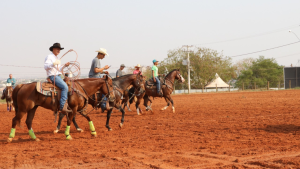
281 128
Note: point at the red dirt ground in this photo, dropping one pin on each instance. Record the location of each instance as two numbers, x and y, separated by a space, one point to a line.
217 130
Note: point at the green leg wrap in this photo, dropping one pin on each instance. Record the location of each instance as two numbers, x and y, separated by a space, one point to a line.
69 137
32 135
12 133
92 128
67 132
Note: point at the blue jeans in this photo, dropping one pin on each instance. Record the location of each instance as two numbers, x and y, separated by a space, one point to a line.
157 84
103 104
64 90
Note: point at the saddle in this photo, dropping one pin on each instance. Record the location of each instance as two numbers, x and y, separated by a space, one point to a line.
150 83
47 89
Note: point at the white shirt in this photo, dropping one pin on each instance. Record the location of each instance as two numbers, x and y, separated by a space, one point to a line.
50 68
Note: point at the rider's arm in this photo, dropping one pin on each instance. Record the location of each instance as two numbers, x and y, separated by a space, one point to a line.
98 70
49 62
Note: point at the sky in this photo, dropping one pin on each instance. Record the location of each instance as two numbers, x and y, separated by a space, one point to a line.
136 32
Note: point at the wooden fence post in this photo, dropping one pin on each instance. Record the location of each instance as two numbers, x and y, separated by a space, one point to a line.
229 87
290 84
268 85
254 85
202 88
216 87
279 85
243 86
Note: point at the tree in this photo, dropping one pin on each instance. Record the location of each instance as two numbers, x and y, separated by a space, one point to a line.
243 64
204 62
261 71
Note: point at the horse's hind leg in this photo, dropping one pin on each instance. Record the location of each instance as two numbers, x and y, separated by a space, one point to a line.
16 120
61 116
69 122
30 116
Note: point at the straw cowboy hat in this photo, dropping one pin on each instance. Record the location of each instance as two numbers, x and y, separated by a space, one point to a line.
138 65
55 45
103 51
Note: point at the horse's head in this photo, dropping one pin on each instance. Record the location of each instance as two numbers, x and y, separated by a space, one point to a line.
178 76
108 85
139 83
9 90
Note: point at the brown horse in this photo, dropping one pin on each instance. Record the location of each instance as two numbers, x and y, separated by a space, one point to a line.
118 84
27 100
8 98
167 88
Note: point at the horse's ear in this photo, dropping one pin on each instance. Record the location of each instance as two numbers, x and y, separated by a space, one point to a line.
106 77
178 69
140 72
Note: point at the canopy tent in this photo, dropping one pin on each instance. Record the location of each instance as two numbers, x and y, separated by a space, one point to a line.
217 82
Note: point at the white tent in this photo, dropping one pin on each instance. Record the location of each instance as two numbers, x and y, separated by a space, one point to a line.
217 82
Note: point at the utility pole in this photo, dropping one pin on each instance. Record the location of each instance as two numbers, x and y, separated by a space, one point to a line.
188 64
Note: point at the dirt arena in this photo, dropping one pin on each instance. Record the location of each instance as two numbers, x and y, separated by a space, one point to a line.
216 130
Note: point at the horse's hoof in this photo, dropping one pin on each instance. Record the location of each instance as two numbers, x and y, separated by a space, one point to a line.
173 110
69 137
80 130
162 109
94 133
9 140
121 125
55 131
37 139
110 129
139 114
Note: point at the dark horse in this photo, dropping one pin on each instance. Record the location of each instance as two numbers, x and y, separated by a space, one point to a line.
8 97
120 84
130 96
167 88
27 100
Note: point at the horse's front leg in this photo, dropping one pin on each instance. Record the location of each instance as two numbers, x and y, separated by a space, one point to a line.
7 103
123 116
107 119
92 127
69 122
171 100
168 104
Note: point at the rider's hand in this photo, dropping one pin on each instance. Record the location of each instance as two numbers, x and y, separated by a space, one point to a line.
67 64
106 67
57 62
106 72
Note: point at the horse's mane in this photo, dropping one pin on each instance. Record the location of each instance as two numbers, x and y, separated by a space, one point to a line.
124 76
171 72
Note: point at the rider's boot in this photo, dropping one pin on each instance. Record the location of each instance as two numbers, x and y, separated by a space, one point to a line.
65 109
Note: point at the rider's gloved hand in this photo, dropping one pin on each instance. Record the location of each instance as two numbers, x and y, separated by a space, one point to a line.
57 62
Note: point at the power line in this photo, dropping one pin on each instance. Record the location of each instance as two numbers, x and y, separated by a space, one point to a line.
251 36
265 49
287 55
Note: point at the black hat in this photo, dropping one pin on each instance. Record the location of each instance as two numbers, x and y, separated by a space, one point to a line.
55 45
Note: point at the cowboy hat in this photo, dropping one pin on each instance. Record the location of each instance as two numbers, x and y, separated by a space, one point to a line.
103 51
138 65
122 65
55 45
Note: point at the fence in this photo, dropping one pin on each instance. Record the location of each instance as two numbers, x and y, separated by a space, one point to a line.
245 86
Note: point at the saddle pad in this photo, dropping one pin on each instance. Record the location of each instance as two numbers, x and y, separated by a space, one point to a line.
46 88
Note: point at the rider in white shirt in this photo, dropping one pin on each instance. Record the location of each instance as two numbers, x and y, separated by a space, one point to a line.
53 67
